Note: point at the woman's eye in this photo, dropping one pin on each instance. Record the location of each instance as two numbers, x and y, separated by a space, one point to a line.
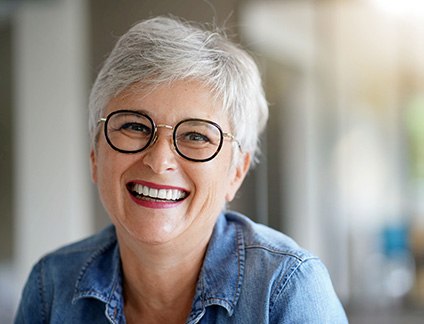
195 137
136 127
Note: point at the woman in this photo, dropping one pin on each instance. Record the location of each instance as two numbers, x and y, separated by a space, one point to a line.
175 116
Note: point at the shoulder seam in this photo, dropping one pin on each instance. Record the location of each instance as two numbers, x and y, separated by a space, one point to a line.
302 258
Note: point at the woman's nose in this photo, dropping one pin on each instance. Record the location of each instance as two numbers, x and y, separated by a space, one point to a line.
160 155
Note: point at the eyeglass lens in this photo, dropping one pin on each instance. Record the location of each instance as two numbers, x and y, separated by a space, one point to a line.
194 139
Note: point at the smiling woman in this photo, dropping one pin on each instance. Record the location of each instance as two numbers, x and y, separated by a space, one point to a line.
175 116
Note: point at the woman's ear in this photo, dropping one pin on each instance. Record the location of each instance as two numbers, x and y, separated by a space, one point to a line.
238 174
93 165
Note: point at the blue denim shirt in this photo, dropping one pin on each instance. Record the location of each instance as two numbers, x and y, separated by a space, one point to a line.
251 274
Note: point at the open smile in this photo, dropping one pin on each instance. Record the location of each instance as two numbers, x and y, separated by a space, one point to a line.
155 196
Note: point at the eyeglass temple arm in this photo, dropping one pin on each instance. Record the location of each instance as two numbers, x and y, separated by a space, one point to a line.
232 138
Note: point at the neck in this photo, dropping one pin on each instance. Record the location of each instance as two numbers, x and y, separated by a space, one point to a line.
160 279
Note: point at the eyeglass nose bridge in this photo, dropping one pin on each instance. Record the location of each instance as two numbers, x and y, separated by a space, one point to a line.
164 126
155 136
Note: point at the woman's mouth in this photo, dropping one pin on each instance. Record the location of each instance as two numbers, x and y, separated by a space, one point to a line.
155 195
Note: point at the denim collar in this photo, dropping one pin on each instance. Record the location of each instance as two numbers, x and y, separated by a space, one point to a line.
221 277
101 278
219 283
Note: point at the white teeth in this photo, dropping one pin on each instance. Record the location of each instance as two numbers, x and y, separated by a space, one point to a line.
168 194
153 193
162 194
176 194
144 191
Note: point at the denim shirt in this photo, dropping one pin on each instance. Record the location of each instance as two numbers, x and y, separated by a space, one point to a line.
250 274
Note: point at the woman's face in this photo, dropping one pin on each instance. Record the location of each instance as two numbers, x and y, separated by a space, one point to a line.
200 189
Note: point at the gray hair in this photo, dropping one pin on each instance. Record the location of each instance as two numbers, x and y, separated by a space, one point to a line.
161 50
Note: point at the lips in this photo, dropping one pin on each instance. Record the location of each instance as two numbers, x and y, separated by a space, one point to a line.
148 193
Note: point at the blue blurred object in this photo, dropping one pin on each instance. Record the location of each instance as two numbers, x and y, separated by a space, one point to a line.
395 240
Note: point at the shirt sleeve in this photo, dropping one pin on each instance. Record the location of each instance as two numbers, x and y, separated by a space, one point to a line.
307 296
32 307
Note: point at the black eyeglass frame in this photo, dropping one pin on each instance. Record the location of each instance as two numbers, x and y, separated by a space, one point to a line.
154 136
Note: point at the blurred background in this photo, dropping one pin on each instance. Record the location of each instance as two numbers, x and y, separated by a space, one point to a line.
342 169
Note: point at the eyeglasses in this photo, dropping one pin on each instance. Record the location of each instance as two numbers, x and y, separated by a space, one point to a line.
194 139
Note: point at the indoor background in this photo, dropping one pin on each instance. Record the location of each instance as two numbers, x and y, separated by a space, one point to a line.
342 166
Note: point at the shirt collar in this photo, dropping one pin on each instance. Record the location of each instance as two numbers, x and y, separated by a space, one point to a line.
221 277
101 278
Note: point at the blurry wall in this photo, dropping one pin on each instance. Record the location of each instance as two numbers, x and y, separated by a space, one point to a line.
6 147
6 167
44 158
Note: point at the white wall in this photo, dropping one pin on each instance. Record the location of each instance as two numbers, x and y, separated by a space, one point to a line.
52 197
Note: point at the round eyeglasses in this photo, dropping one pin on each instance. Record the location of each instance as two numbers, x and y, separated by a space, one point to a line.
194 139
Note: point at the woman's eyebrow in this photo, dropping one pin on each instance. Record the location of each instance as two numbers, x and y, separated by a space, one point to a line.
136 110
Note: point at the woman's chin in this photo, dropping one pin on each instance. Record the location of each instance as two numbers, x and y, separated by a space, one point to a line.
152 233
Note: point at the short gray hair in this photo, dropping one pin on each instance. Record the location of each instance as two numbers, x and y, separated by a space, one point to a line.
163 49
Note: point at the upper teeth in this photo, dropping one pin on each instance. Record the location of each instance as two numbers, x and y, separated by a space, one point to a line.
169 194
